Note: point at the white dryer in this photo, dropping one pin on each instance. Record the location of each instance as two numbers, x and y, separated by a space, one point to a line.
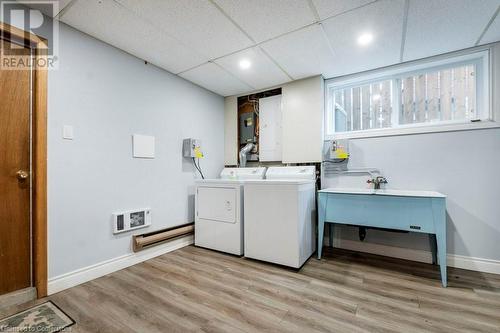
280 216
219 210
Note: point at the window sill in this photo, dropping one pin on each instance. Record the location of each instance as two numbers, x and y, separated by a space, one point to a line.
414 130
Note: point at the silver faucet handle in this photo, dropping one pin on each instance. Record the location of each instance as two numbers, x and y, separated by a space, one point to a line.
382 180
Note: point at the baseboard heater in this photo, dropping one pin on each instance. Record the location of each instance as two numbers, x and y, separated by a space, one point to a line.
147 240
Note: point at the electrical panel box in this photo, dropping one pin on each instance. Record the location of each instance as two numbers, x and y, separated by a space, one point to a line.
247 128
336 151
191 148
131 220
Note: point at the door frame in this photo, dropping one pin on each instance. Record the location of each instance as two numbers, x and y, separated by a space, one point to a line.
39 154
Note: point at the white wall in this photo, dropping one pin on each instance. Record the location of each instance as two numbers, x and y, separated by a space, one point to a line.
107 95
463 165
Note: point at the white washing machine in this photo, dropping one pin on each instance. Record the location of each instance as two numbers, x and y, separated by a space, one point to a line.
280 216
219 210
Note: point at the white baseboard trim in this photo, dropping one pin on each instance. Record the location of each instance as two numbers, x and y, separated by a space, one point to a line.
474 264
82 275
453 260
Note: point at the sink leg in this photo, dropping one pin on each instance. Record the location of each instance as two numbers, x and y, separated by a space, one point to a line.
321 222
441 244
439 212
321 230
433 243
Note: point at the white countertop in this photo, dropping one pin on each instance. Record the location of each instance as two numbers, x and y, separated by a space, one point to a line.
400 193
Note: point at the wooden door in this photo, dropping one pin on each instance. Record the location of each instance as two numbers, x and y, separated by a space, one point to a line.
15 245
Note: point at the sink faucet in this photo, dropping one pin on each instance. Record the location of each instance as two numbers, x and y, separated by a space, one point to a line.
377 181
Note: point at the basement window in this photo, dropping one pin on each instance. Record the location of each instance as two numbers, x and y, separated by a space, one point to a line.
426 96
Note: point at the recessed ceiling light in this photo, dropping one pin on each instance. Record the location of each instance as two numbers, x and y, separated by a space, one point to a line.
245 64
365 39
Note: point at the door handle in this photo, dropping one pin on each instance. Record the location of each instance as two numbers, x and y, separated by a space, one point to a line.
22 175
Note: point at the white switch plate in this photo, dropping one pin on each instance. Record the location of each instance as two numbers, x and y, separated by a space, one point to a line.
143 146
68 132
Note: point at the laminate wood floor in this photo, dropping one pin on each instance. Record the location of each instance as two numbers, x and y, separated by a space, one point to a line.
194 289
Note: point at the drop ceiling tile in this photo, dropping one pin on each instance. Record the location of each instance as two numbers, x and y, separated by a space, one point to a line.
302 53
383 19
44 8
108 21
329 8
63 4
198 24
441 26
264 19
216 79
263 73
493 33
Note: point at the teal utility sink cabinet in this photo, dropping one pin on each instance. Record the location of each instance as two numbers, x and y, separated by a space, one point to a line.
415 211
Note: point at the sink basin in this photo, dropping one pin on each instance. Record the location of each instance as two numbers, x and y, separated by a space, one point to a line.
400 193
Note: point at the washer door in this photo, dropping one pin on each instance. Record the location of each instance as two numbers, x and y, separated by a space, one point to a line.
217 204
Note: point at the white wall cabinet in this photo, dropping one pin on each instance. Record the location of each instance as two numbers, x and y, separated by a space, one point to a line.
303 110
270 133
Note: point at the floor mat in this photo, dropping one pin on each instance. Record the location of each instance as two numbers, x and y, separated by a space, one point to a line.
45 317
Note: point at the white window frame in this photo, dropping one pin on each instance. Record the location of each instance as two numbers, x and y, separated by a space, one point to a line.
484 111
